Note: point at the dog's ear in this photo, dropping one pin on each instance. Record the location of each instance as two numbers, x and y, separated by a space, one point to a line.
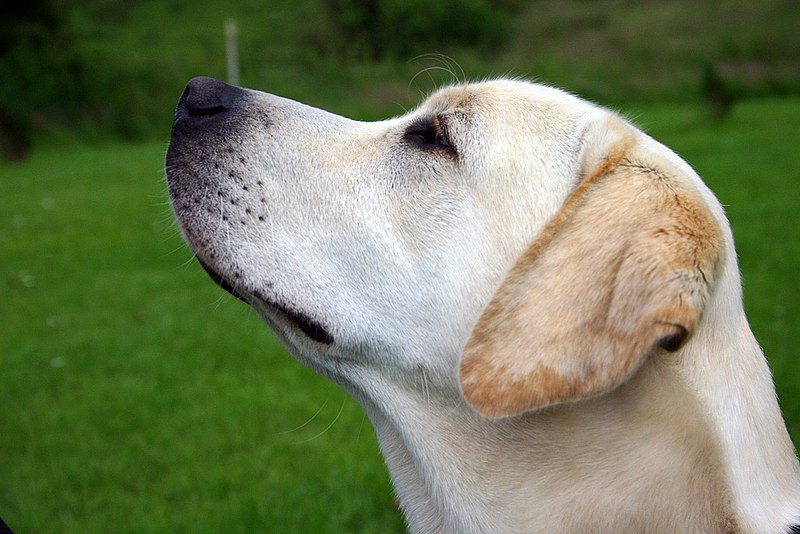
622 271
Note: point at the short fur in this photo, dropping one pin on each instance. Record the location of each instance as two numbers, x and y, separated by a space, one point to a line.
537 305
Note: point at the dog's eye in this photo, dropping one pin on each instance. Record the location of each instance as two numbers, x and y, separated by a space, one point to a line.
429 134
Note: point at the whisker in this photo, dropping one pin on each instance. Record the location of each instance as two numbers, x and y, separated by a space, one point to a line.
306 423
341 409
360 427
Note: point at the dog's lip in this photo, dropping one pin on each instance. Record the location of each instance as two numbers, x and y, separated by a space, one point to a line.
221 282
310 327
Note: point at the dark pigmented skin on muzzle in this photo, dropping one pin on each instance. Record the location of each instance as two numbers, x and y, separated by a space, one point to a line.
308 326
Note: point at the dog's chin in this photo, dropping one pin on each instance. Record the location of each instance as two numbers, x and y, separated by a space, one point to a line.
307 325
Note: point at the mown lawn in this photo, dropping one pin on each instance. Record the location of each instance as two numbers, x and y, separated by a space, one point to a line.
136 397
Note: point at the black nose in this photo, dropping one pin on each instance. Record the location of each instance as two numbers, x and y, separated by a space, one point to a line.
205 96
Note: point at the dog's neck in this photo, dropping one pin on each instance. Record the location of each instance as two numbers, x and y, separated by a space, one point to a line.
693 442
659 454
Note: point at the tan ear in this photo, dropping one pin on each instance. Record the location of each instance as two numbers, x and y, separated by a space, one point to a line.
622 271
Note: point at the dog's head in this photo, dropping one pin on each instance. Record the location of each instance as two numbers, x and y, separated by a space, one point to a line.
554 241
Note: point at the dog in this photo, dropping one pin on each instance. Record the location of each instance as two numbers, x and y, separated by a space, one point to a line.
537 305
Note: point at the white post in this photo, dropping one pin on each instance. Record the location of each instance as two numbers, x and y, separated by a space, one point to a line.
231 51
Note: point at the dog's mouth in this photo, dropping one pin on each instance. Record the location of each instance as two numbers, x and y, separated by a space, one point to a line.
221 282
310 327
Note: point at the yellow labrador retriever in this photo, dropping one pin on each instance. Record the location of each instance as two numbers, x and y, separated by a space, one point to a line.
537 305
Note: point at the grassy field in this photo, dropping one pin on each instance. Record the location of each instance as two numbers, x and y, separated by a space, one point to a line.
137 397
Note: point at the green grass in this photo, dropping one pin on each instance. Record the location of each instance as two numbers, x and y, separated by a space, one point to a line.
137 397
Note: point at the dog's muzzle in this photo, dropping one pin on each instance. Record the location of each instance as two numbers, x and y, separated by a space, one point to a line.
203 153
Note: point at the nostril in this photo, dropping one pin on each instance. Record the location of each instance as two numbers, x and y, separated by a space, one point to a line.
204 96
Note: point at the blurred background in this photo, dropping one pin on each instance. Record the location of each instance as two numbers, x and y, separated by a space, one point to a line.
99 69
136 396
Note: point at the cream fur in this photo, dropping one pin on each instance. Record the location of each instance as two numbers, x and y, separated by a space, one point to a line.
559 250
